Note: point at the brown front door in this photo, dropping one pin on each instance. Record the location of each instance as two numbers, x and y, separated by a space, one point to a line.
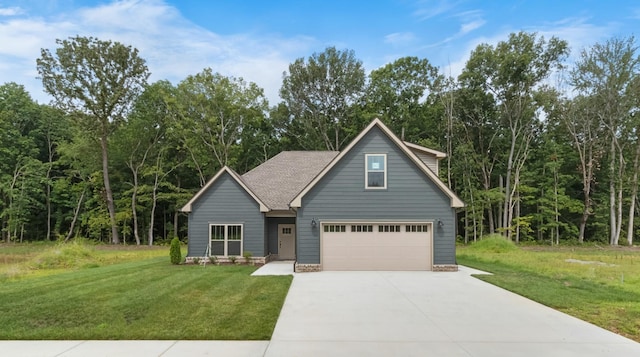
286 241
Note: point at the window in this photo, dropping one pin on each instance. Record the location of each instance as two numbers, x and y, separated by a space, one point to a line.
376 171
362 228
286 230
338 228
417 228
388 228
226 239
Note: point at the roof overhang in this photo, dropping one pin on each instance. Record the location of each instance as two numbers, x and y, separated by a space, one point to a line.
187 207
438 154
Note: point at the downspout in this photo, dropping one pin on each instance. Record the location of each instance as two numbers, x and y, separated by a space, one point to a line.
295 262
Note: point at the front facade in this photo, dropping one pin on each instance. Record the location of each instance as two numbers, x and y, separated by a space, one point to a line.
377 205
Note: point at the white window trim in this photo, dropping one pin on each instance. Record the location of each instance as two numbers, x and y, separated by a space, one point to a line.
366 172
226 237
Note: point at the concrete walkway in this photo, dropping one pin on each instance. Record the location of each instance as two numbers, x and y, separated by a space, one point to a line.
278 267
384 314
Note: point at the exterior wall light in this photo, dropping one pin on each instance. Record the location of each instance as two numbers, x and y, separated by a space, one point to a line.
440 223
314 222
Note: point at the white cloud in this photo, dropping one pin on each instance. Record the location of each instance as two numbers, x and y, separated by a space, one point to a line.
173 47
431 8
10 11
578 32
470 26
400 38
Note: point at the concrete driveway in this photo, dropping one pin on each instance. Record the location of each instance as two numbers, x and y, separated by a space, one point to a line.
427 314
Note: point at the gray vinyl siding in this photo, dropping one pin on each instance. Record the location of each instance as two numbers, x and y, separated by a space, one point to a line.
272 235
410 195
226 202
429 160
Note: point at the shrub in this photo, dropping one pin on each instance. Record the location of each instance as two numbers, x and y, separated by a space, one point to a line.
247 256
174 251
232 259
494 243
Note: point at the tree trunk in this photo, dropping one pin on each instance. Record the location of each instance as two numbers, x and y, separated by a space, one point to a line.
491 219
620 201
50 151
176 216
75 216
153 210
501 186
517 215
612 195
134 213
556 209
507 212
473 213
115 238
48 200
154 199
634 193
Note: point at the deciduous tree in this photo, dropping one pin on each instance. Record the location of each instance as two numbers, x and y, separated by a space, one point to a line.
320 93
512 72
96 81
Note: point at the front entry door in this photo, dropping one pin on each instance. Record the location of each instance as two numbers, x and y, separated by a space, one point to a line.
286 241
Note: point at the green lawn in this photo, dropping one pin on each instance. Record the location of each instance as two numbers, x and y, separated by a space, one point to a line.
599 285
144 299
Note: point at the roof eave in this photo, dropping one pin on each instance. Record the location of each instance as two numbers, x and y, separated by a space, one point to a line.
438 154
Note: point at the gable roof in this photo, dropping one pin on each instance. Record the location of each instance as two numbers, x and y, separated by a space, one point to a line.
455 200
278 180
237 178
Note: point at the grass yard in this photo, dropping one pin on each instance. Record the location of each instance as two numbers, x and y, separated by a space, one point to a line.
147 298
596 284
18 261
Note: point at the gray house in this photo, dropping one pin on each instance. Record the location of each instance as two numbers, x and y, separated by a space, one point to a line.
376 205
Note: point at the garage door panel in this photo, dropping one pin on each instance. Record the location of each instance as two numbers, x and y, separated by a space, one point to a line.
376 250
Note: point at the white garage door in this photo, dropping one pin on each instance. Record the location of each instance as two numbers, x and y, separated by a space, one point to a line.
376 246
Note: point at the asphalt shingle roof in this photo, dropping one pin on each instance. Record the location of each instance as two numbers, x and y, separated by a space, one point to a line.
278 180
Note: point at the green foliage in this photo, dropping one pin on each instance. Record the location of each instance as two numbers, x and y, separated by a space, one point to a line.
174 252
493 243
247 256
65 255
96 82
321 93
213 112
513 143
401 93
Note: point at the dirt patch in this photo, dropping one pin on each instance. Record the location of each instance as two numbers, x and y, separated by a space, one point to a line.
605 248
589 262
130 247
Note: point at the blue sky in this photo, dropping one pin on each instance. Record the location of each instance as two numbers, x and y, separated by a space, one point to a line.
258 39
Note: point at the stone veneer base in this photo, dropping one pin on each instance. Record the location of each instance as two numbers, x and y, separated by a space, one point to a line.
307 268
258 261
445 267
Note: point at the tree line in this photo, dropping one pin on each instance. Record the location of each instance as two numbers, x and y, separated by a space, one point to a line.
540 149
